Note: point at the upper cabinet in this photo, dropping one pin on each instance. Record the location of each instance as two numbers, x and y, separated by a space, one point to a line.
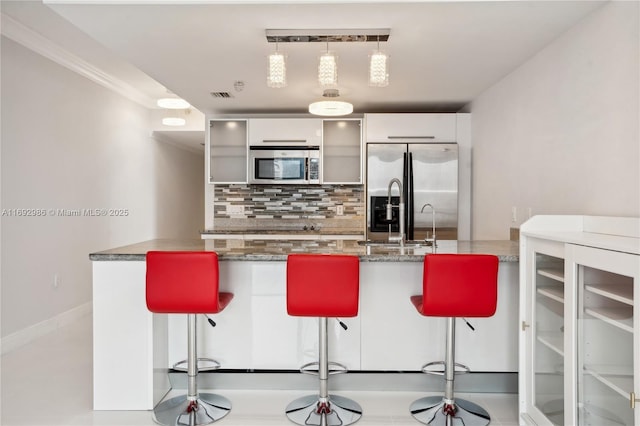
285 131
417 127
227 151
341 151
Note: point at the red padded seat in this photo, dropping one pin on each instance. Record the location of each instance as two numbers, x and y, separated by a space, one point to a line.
458 285
322 285
184 282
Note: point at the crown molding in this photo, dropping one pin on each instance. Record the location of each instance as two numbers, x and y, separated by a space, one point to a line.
34 41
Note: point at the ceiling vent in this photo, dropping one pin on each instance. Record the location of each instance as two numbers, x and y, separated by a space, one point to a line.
221 95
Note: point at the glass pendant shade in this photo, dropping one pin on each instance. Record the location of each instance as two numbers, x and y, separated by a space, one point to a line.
277 76
378 69
328 70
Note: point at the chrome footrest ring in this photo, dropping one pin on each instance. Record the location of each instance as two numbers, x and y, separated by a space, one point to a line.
460 368
213 365
311 368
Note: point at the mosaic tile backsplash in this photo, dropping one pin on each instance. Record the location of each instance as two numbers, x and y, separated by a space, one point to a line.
288 207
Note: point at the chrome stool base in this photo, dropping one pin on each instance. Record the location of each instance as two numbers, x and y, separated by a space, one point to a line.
341 411
430 411
175 411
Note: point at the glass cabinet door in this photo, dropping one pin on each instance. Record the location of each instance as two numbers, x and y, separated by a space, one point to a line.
341 147
548 342
227 151
605 348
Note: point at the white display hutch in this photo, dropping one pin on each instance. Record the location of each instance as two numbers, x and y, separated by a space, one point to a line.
579 321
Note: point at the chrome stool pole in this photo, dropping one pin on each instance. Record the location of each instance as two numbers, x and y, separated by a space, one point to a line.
195 408
323 409
448 411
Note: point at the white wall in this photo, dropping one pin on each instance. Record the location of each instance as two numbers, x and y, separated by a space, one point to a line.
68 143
560 134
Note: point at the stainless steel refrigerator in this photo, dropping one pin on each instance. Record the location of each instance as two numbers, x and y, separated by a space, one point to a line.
429 175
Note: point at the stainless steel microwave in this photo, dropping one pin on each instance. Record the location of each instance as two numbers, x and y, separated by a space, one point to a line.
284 164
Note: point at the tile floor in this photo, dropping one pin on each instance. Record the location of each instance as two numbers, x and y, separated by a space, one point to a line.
48 383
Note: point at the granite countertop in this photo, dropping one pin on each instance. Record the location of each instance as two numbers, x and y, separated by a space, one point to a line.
277 250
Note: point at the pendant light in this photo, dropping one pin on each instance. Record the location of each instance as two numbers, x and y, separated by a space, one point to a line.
378 68
328 69
277 72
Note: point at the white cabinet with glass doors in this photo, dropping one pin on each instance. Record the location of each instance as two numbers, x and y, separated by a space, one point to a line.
608 326
342 151
227 151
580 325
545 324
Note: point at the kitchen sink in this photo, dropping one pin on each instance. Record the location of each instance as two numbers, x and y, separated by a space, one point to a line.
395 244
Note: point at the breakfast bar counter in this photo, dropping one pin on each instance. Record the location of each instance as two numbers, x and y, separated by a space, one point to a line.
277 250
134 349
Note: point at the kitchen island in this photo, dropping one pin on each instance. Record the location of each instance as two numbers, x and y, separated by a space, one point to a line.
133 349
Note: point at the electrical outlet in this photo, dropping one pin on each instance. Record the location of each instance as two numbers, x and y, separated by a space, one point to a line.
514 214
530 212
339 210
56 281
235 209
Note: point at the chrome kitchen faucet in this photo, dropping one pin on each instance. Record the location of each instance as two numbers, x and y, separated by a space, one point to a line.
400 236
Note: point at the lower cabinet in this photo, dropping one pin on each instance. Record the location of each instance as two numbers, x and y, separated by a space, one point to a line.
255 331
580 322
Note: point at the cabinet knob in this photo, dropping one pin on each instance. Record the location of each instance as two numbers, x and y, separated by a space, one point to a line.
633 400
524 325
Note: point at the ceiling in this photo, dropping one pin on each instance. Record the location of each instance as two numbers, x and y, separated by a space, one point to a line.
442 54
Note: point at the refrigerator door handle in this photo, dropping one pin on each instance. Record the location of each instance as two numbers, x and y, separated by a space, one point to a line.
407 184
410 196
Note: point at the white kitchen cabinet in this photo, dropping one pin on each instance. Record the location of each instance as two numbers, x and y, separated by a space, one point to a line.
285 131
580 325
255 331
227 151
388 319
413 127
342 151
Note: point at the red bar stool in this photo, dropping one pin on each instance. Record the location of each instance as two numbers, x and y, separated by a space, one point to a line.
454 285
182 282
321 285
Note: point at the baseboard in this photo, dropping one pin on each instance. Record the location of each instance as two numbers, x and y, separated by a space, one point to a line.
20 338
478 382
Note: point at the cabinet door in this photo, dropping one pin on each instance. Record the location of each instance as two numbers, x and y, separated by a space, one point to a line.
542 374
227 151
410 127
341 151
283 131
608 351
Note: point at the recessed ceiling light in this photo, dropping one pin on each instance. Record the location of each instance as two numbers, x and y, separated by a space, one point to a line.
173 103
174 121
